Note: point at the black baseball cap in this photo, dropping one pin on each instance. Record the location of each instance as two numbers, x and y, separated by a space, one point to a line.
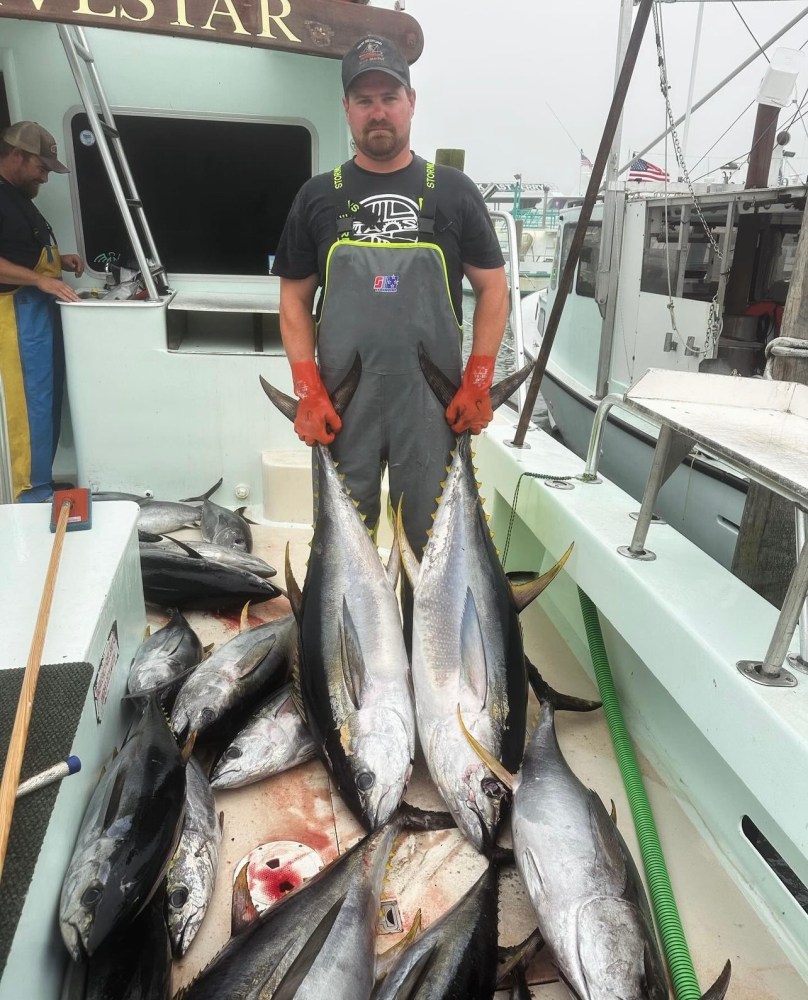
374 53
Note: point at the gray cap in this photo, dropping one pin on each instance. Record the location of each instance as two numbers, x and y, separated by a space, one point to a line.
374 53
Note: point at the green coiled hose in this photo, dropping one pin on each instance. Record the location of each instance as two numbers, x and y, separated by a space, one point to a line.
666 912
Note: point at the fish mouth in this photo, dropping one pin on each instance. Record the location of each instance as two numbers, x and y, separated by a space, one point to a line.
71 935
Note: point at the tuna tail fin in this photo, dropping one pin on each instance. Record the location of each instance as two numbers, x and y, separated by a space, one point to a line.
445 389
561 702
719 988
515 959
340 397
414 819
207 494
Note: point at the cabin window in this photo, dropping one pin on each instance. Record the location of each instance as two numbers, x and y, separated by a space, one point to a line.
674 239
779 255
588 262
215 193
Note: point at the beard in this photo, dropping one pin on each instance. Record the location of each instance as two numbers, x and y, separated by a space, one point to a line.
380 142
30 189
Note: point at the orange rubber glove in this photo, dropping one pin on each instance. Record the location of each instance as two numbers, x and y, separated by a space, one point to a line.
316 419
470 410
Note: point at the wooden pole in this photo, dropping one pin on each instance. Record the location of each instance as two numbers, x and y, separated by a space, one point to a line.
598 170
22 720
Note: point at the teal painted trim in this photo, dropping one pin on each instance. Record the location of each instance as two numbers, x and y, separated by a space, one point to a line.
666 912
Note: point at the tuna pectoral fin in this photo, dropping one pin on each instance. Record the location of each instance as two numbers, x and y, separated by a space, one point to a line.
561 702
299 969
386 961
487 758
526 590
354 671
408 559
253 659
242 911
719 988
473 669
516 958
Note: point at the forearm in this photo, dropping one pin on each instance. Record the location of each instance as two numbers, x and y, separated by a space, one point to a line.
297 321
491 308
16 274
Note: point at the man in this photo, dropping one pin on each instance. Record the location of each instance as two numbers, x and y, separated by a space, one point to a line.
31 348
389 237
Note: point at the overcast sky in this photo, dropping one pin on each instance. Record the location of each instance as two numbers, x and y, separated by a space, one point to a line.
491 73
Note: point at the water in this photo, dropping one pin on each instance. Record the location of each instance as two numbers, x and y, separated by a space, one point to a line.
506 362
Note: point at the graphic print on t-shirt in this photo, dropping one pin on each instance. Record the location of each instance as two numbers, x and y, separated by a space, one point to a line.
397 220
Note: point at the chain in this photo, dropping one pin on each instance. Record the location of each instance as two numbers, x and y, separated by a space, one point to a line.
664 86
530 475
715 323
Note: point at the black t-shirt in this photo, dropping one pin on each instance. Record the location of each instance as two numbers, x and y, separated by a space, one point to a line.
463 228
23 230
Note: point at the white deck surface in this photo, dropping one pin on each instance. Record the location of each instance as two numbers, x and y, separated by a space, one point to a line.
430 871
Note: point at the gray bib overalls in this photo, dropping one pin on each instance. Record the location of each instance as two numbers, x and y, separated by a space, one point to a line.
381 299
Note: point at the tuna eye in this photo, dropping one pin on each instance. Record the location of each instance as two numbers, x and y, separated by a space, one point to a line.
493 788
178 898
365 781
232 753
90 896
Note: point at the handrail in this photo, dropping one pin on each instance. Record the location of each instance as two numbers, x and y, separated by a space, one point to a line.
6 482
516 298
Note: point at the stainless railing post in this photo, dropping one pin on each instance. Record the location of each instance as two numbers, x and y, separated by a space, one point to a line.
590 473
516 298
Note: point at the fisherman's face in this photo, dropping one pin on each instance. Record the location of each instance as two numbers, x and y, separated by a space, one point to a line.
31 174
379 112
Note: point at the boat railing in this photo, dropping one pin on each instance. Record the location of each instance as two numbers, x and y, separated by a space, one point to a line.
512 259
728 422
6 488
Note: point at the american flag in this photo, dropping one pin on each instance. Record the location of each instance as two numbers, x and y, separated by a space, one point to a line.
642 170
586 163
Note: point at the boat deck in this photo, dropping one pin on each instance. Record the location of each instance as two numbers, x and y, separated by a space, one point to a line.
430 871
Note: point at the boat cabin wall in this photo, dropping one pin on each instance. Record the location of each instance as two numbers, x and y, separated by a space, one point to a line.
165 396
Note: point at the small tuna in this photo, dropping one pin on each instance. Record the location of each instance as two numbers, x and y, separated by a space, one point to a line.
165 657
192 871
273 740
127 837
248 667
225 527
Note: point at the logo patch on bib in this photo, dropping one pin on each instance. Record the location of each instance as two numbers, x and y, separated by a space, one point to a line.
385 283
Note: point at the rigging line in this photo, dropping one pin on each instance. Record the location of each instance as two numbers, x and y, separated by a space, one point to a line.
740 15
707 153
577 147
748 106
745 156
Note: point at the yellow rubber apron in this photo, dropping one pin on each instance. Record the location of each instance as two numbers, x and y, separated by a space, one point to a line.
32 367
